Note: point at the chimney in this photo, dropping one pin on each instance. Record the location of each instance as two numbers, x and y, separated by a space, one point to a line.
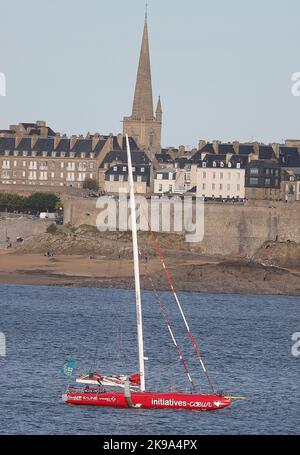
57 140
95 140
201 144
34 139
276 148
181 150
120 140
73 141
236 146
216 146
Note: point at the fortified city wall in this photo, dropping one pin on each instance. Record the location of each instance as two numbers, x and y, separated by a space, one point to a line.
229 229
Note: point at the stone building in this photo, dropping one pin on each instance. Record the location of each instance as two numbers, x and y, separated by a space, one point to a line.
263 180
32 154
143 126
220 178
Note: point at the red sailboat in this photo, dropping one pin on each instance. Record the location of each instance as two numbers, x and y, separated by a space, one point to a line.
130 391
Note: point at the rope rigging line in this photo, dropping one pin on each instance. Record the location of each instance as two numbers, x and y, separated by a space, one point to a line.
191 336
167 321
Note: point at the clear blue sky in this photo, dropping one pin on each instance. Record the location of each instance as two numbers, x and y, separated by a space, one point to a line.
223 68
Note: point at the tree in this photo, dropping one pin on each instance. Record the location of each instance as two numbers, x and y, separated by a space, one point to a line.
91 184
10 202
42 202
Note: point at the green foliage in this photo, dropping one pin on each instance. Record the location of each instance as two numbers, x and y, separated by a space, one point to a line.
12 202
42 202
90 184
52 229
36 202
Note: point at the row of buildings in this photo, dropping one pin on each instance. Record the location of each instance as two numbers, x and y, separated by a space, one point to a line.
33 155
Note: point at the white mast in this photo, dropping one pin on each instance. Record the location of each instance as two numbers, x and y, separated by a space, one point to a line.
136 271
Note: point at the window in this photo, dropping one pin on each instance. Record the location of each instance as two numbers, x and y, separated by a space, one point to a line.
221 186
214 175
121 178
61 175
160 187
228 187
62 165
213 186
204 164
139 178
254 181
214 164
115 168
254 171
238 176
268 182
170 188
238 165
15 163
221 175
24 163
142 169
203 186
238 187
277 182
111 178
124 168
204 175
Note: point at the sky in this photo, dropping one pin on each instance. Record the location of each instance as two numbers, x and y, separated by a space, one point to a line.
222 68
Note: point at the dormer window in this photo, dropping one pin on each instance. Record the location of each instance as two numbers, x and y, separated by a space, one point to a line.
142 169
33 153
6 153
16 153
82 155
124 169
214 164
44 154
204 164
222 164
133 169
238 165
53 154
92 155
24 152
62 154
229 164
115 168
72 154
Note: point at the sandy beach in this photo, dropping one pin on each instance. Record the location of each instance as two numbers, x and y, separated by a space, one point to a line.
189 274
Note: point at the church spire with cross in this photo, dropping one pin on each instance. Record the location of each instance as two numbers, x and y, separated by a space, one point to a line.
143 126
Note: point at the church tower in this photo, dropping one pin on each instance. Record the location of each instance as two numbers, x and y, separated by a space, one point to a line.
143 126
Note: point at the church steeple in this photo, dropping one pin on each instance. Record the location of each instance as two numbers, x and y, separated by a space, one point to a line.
158 112
143 100
142 125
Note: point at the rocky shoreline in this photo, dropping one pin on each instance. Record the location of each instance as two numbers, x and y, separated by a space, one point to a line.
84 258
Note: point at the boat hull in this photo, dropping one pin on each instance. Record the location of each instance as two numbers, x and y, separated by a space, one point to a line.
149 400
